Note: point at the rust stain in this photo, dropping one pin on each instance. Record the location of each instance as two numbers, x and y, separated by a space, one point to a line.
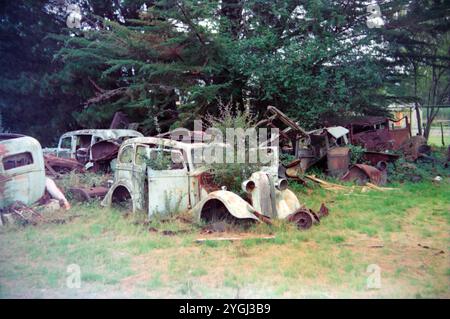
3 150
105 150
206 181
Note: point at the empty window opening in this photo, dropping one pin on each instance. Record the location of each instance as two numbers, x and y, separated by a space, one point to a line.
17 160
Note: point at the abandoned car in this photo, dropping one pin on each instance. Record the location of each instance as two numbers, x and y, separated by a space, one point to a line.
375 133
79 144
22 172
161 176
22 175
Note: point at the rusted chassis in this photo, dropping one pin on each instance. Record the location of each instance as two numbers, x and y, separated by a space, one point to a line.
56 165
87 194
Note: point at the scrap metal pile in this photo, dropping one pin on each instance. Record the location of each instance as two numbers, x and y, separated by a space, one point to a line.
175 187
177 183
383 140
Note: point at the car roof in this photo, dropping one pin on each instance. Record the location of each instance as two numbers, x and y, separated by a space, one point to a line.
164 142
9 136
104 133
19 144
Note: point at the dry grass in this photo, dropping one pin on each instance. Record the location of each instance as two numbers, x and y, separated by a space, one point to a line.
119 258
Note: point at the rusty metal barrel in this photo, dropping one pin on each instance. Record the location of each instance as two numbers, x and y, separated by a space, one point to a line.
338 160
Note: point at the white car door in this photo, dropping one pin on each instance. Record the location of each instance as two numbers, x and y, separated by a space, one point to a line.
168 182
66 147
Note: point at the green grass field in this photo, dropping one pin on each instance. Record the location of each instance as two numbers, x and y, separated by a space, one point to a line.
437 140
399 236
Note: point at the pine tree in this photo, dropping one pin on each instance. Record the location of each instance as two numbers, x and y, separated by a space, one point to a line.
178 58
25 101
173 60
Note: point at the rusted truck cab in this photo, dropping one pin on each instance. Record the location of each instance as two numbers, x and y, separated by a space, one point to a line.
22 171
181 184
376 133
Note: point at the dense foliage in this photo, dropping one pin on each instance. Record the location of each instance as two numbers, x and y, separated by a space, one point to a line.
166 63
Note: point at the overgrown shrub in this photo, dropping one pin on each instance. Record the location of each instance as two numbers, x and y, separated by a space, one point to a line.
159 161
356 153
403 171
233 174
286 158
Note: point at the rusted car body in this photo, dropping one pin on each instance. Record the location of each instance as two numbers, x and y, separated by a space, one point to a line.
185 184
22 171
309 147
376 133
78 144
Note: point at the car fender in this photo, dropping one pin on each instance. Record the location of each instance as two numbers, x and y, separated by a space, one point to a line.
107 200
286 203
233 203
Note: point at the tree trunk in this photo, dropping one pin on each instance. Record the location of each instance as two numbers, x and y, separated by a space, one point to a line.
418 118
416 104
232 9
432 109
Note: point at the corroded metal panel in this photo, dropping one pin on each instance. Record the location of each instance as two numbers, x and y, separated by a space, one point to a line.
22 171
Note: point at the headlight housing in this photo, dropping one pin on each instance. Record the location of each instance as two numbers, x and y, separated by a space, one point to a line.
248 186
281 184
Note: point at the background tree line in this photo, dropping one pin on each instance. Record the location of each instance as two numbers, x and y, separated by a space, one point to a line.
166 63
